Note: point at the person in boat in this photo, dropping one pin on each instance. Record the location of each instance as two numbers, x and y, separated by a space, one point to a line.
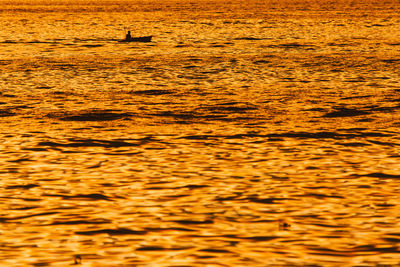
128 36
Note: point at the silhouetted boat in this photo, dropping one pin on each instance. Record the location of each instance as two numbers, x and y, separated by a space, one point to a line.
143 39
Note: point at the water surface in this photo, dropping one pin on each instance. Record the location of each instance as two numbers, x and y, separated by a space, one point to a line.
258 134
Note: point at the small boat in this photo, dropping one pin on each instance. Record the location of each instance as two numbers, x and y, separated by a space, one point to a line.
143 39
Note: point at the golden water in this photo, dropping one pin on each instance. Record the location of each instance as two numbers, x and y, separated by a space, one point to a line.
248 133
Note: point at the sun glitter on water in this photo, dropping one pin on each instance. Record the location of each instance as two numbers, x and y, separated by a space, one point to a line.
257 133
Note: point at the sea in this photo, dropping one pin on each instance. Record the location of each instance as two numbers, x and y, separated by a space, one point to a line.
246 133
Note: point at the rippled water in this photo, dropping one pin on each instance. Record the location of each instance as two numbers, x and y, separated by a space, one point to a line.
253 133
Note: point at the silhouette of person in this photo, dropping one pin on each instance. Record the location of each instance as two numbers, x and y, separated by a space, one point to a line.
128 36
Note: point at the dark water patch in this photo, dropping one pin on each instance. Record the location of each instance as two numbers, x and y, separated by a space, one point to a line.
391 239
183 45
19 160
355 80
26 186
204 256
253 238
271 200
31 199
97 165
194 59
187 115
163 188
158 229
383 143
21 107
6 113
63 66
147 68
91 115
44 87
9 95
376 25
249 38
385 205
390 61
395 234
9 42
320 196
92 45
176 196
381 175
353 144
365 120
327 135
77 222
214 250
69 44
342 44
193 186
375 248
383 109
229 197
38 42
200 137
345 112
190 67
5 62
292 46
217 45
152 92
396 91
121 153
261 62
312 168
90 143
159 248
194 222
26 208
81 196
118 231
279 136
279 178
228 103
